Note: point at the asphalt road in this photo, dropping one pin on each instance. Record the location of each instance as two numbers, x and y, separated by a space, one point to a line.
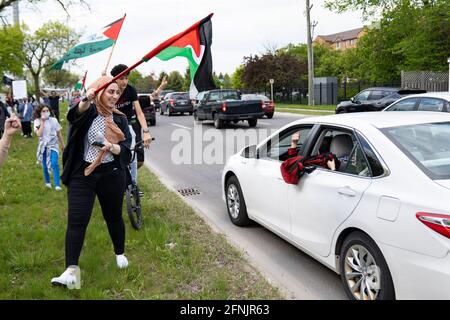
189 156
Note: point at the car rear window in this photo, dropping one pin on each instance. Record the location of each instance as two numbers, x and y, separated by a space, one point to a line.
427 145
180 96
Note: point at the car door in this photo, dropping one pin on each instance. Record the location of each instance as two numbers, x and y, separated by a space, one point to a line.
362 99
266 195
324 199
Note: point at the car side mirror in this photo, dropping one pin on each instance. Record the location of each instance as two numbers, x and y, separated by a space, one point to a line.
250 152
352 99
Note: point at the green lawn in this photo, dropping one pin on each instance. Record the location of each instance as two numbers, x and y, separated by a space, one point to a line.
305 109
202 265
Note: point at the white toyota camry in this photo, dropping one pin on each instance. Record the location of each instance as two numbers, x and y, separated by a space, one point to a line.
381 221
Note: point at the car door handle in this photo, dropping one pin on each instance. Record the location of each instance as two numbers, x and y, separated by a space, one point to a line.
347 191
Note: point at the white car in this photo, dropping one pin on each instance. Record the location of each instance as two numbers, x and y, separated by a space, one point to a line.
431 101
381 221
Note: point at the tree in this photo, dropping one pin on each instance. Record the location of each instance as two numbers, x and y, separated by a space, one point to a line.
12 56
47 43
187 80
175 81
60 78
134 77
369 7
65 4
285 68
236 77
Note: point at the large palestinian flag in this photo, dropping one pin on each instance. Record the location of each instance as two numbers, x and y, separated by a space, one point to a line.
195 45
102 40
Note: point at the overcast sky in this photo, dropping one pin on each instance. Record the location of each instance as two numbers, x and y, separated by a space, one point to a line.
240 28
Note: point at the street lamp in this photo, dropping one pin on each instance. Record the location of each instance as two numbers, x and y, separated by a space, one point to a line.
271 88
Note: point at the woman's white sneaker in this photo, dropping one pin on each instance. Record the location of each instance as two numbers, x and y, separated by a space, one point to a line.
69 278
122 261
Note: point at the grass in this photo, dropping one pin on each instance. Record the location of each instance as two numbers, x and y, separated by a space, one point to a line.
305 109
202 265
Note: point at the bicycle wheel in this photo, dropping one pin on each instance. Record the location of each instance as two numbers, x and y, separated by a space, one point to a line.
133 200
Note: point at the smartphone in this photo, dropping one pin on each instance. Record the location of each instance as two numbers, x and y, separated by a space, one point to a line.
98 144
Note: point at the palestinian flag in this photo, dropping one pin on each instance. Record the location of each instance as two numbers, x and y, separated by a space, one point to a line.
102 40
80 85
195 45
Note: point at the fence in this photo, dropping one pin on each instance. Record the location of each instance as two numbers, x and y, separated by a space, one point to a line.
299 95
425 80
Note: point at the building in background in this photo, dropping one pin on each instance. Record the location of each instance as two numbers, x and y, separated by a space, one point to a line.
342 40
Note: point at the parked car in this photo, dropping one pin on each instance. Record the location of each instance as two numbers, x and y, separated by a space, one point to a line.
381 221
226 106
176 102
374 99
157 101
148 109
432 101
268 105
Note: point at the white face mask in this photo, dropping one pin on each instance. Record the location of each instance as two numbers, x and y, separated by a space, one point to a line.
45 115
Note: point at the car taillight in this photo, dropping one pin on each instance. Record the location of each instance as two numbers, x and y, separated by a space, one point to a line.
438 222
271 104
171 101
224 107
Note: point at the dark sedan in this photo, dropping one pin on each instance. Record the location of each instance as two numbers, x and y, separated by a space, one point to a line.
176 102
374 99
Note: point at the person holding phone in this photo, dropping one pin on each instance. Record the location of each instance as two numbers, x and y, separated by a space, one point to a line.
94 161
48 129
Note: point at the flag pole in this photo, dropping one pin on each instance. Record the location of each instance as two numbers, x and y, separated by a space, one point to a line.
112 49
155 51
83 84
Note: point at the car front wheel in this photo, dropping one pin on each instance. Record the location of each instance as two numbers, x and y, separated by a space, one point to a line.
364 271
236 207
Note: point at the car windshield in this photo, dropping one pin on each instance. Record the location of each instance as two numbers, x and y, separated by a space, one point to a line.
180 96
230 95
427 145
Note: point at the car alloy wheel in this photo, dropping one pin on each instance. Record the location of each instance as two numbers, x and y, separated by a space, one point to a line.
236 207
233 201
362 273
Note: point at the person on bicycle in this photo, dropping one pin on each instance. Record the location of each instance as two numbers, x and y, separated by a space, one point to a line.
94 161
128 104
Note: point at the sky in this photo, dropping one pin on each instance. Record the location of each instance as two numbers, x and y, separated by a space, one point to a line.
240 28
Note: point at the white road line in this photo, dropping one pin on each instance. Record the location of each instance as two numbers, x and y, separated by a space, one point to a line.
264 123
180 126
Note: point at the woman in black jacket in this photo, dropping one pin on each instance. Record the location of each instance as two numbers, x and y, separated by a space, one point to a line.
94 161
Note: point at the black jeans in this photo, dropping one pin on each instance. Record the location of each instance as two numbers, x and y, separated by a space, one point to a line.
107 182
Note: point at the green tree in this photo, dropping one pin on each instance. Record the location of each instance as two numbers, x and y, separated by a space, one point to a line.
187 79
12 56
226 83
45 45
236 78
134 77
175 81
60 78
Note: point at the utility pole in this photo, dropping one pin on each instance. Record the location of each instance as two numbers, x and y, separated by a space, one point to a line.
16 16
310 55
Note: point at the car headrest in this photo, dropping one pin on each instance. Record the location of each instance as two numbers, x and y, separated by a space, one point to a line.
341 145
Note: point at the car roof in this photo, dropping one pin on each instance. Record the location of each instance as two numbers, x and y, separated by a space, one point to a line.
383 88
361 120
441 95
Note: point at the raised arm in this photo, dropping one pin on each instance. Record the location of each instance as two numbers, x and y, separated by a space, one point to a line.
161 87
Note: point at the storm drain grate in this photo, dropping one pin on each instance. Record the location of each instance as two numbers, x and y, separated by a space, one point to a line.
189 192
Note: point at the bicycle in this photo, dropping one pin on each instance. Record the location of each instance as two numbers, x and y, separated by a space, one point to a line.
133 194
